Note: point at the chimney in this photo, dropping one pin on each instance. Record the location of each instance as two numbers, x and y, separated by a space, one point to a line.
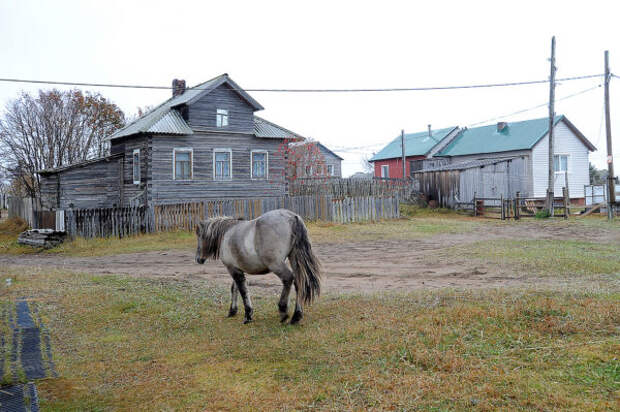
501 126
430 133
178 87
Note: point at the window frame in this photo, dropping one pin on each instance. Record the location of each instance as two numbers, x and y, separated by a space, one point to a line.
230 168
189 150
333 170
387 169
266 176
133 167
221 119
308 170
560 155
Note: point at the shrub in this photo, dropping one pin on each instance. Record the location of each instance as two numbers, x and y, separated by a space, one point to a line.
542 214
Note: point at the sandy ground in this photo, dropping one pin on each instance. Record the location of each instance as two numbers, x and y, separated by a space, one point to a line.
350 267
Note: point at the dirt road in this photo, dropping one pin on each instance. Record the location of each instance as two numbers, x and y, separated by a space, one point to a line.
427 262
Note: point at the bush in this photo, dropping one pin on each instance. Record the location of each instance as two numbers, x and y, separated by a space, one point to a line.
13 226
542 214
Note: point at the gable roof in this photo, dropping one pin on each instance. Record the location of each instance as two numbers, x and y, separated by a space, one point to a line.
469 164
516 136
166 119
321 145
416 144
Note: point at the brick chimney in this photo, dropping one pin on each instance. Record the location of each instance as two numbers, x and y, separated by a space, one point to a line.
178 87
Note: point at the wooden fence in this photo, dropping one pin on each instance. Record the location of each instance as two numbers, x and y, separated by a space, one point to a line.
4 201
127 221
341 188
23 207
513 208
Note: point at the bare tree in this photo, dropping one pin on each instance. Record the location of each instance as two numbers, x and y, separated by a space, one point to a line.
367 165
55 128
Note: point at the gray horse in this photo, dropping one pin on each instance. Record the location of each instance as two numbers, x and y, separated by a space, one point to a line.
260 246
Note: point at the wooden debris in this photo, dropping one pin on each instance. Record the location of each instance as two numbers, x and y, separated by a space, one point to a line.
45 238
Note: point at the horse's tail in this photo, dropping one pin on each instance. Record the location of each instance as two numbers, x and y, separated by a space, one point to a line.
306 266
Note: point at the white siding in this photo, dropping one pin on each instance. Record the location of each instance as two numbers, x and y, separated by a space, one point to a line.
578 163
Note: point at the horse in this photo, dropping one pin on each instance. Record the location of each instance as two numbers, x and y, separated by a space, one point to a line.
261 246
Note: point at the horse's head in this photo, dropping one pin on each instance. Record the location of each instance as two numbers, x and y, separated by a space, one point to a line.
201 234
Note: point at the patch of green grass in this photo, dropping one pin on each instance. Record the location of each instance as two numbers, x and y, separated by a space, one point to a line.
548 257
115 339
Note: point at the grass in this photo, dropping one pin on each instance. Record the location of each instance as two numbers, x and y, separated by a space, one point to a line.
549 257
131 344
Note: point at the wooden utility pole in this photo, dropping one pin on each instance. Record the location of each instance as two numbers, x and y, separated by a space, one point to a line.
551 182
611 186
402 143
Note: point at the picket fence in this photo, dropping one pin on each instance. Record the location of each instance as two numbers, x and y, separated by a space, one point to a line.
341 188
126 221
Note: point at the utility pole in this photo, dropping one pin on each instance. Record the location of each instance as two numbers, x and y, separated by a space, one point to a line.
551 182
402 144
611 186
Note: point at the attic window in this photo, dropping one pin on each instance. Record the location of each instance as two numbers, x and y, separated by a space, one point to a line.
222 118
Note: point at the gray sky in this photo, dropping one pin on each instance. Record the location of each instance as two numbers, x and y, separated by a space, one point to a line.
290 44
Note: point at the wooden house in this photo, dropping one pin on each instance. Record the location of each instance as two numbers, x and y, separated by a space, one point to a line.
203 143
312 159
502 159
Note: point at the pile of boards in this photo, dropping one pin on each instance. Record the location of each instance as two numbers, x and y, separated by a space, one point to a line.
46 238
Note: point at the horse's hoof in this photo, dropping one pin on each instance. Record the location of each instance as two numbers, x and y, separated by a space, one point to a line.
283 317
296 318
246 321
232 313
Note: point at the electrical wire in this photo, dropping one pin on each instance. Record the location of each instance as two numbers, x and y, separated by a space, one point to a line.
391 89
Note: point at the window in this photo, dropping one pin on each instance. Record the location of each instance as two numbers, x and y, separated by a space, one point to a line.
560 163
308 170
222 117
136 166
222 164
385 171
259 165
183 164
330 170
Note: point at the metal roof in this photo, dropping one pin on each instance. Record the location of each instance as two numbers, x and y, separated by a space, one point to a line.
174 123
266 129
515 136
416 144
470 164
80 164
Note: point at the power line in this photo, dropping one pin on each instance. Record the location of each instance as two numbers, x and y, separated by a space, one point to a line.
391 89
534 107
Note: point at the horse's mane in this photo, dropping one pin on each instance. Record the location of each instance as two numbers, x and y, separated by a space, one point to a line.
212 231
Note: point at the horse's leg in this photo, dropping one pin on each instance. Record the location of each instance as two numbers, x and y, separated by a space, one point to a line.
233 300
239 278
299 312
285 274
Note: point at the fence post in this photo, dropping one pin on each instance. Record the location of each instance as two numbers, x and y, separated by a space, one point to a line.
503 212
475 205
566 202
517 206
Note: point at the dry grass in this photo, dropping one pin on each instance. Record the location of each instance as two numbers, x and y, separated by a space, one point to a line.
132 344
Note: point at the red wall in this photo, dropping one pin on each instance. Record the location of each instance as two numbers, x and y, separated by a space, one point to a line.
396 166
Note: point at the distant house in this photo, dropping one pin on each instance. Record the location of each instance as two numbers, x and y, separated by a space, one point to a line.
311 159
418 146
499 159
203 143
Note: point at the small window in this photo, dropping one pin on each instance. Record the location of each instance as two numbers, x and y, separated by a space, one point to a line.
136 166
183 166
259 164
560 163
222 164
222 117
308 170
385 171
330 170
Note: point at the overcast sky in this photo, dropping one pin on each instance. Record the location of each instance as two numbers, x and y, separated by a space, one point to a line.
315 44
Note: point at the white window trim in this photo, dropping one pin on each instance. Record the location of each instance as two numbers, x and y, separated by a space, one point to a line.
387 167
252 164
133 166
174 162
223 150
217 116
333 172
561 172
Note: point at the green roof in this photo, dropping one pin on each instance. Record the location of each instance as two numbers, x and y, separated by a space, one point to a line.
416 144
486 139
